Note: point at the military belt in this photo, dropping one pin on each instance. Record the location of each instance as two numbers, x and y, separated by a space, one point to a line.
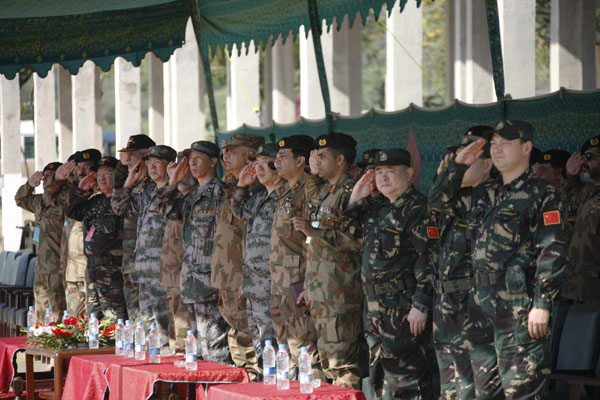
390 287
485 279
453 286
106 260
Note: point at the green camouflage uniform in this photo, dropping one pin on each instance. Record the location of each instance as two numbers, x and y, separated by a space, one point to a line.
103 245
582 274
170 274
333 286
292 323
72 259
519 235
199 210
399 246
256 208
48 289
141 202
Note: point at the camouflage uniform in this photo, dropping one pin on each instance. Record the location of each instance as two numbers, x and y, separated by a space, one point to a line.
141 202
226 275
292 323
48 289
199 209
72 259
103 245
519 237
170 274
256 207
582 274
399 246
333 286
131 290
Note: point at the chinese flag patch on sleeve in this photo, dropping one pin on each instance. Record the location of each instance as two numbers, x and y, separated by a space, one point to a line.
432 232
551 218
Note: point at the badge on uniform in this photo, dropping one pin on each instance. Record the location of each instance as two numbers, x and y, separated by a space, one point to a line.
551 218
315 224
90 234
36 234
433 232
515 280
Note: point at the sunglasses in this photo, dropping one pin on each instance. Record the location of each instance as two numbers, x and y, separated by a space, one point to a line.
588 156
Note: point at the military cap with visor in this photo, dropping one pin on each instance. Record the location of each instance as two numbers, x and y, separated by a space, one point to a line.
335 140
392 157
203 146
467 140
106 161
138 142
302 143
368 158
245 139
267 150
162 152
92 155
511 129
590 143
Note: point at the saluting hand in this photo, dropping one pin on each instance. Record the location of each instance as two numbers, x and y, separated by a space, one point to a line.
363 187
136 173
444 162
537 322
312 162
247 175
88 182
178 172
471 153
35 179
64 171
574 164
417 320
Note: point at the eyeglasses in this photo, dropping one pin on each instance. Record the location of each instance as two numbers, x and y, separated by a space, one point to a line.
588 156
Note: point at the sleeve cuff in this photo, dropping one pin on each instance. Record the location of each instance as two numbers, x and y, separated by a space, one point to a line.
422 302
539 302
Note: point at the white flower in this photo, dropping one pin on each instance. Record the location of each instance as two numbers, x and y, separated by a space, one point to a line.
41 330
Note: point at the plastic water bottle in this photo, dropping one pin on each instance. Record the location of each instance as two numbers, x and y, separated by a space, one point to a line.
128 340
140 342
191 351
154 345
93 331
305 369
119 337
283 368
48 317
31 318
269 377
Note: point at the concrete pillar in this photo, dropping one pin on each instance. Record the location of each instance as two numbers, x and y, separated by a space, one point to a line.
168 106
311 100
44 131
65 112
572 44
267 67
85 108
156 124
10 120
98 110
517 32
128 113
187 94
403 78
458 82
479 81
243 87
451 39
284 98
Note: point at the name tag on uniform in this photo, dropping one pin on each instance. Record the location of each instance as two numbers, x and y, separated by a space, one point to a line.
90 234
36 234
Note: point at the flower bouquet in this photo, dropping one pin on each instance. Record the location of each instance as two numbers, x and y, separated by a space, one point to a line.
71 334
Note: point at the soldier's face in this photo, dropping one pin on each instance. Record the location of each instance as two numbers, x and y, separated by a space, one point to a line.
104 179
509 155
157 169
590 170
287 165
200 164
83 169
130 158
392 180
548 173
235 158
265 175
46 178
327 163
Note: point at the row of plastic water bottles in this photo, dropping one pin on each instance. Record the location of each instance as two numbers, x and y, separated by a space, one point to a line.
131 342
281 360
48 317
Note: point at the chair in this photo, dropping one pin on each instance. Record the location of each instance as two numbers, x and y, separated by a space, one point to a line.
14 292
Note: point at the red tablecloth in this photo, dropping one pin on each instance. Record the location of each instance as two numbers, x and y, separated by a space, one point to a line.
89 376
8 350
260 391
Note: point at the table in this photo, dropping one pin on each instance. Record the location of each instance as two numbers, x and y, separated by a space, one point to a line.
9 346
59 356
260 391
129 379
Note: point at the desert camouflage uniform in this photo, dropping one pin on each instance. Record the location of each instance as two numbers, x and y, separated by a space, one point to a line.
48 289
72 259
131 290
582 274
519 235
170 277
199 210
292 323
141 202
103 245
256 208
333 286
226 275
399 246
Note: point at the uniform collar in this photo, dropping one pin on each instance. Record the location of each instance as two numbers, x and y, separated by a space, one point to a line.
409 193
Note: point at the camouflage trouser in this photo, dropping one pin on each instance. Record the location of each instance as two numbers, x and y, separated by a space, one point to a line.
131 292
105 289
338 327
400 358
233 309
153 308
48 291
75 294
211 331
179 322
259 323
500 320
294 326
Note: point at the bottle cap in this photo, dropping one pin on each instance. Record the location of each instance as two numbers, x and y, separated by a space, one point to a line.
268 343
66 312
140 324
48 309
31 308
191 333
282 346
153 327
304 349
93 315
120 321
128 323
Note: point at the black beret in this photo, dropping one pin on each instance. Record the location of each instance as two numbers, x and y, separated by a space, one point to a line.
535 156
556 158
303 143
106 161
92 155
53 166
74 156
396 156
591 142
335 140
511 129
137 142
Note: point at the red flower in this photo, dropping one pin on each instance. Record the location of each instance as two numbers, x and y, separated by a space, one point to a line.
70 321
61 332
109 330
52 324
80 316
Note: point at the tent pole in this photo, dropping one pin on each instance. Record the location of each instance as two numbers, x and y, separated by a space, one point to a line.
495 47
315 27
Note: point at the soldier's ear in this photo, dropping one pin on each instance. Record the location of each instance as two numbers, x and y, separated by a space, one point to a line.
527 148
410 172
